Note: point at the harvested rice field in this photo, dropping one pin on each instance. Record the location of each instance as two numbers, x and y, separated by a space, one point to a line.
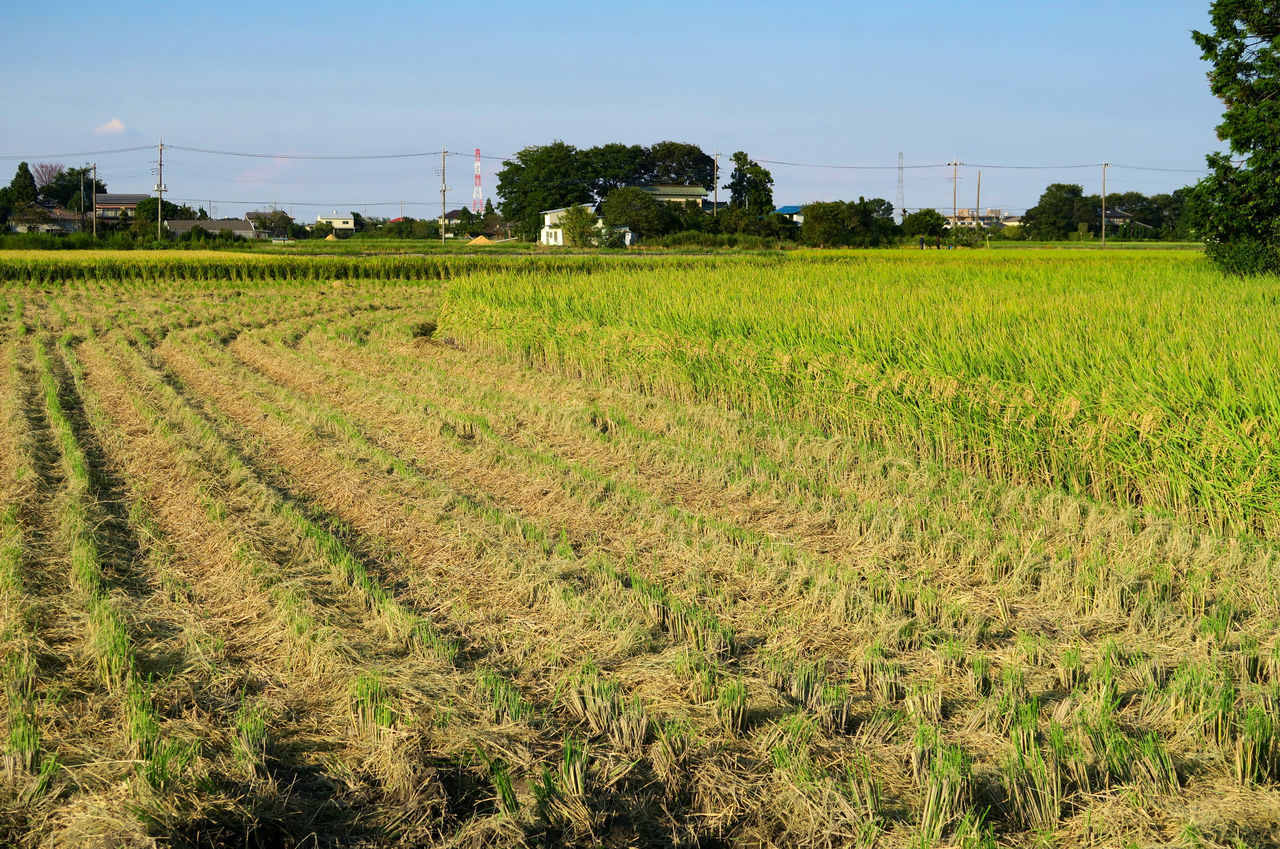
819 549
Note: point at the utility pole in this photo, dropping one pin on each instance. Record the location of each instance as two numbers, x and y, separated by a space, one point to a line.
81 200
977 209
443 189
95 201
160 193
1104 203
715 186
902 203
955 204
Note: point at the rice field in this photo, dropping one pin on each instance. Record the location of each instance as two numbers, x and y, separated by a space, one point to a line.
810 549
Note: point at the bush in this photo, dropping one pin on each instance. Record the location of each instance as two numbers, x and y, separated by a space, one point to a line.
1244 256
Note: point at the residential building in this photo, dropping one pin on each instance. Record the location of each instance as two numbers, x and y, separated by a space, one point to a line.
111 207
339 223
972 218
552 234
794 213
669 193
44 217
241 227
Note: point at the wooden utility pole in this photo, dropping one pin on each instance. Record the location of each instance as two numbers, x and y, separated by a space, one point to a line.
1104 203
715 185
955 205
977 209
160 193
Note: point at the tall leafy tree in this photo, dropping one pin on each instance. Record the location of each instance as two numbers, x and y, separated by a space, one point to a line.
681 164
22 188
1241 199
64 188
613 166
640 211
539 178
1057 213
925 222
750 185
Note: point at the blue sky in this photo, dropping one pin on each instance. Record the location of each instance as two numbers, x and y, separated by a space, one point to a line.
991 83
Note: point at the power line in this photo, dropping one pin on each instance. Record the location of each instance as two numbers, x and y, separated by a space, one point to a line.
299 155
78 154
848 167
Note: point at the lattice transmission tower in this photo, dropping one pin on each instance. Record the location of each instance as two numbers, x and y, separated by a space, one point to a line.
477 196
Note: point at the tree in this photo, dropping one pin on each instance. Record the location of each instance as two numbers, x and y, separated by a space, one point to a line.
539 178
681 164
750 186
613 166
640 211
146 212
17 198
45 173
1057 213
22 189
274 222
925 222
864 223
579 225
826 224
1241 199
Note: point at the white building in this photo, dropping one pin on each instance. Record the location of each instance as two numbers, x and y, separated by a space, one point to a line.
552 234
340 223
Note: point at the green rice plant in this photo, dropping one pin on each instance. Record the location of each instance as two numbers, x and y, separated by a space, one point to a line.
700 674
947 788
503 787
142 720
980 674
924 703
731 705
1070 668
504 699
22 749
563 796
371 711
252 726
862 790
1256 754
1034 785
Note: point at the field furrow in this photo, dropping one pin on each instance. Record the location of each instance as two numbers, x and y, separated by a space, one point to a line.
700 551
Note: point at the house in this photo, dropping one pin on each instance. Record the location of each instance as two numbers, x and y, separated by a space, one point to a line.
45 217
1011 221
339 223
552 234
243 228
111 207
669 193
972 218
1116 218
711 207
794 213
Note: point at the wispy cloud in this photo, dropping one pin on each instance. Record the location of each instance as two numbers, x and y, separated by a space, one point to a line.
114 127
268 172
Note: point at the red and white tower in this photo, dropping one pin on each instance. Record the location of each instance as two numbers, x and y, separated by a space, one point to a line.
477 196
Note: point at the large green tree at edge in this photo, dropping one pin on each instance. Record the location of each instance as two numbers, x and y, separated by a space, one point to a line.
1241 197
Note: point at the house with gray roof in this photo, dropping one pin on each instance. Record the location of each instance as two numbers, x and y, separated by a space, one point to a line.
111 207
240 227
